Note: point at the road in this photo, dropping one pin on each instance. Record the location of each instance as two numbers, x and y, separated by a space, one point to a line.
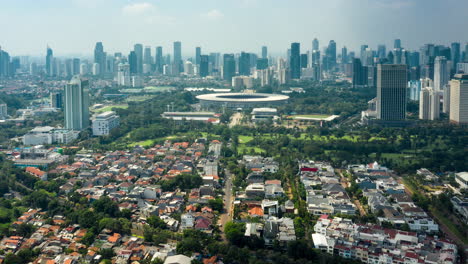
226 216
441 223
235 119
345 183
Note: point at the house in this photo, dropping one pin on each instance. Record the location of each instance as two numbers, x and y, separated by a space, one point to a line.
289 206
187 221
255 190
37 173
178 259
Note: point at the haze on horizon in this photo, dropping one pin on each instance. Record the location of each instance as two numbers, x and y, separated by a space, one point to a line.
74 26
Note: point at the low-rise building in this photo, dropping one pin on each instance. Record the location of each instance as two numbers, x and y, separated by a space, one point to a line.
104 123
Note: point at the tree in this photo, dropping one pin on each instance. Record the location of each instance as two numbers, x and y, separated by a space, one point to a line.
216 204
235 233
156 222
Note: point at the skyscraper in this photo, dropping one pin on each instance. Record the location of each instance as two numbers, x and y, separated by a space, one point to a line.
441 73
197 55
331 54
77 104
459 99
159 59
147 58
315 44
49 61
56 100
391 92
381 51
4 63
359 73
466 52
100 57
229 67
397 44
262 64
177 63
304 60
133 62
455 56
295 61
429 104
244 64
204 62
138 49
264 52
344 55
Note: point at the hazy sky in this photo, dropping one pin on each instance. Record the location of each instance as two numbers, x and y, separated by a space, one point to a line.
74 26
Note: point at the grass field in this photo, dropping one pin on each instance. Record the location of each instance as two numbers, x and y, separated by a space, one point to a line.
157 89
109 108
319 116
242 147
449 224
139 98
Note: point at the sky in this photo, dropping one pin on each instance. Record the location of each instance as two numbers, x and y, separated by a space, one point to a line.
72 27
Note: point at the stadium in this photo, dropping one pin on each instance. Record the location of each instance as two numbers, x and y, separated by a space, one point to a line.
241 100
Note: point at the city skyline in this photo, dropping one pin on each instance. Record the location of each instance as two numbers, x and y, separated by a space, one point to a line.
217 25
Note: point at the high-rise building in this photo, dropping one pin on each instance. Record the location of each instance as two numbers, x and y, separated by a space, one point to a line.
344 55
204 65
197 55
331 55
295 61
177 63
147 58
446 99
391 92
77 104
304 60
76 66
133 62
359 74
466 53
229 67
244 64
397 44
459 99
381 51
441 73
315 44
262 64
56 100
455 54
5 65
49 61
159 60
138 51
264 52
315 57
429 104
3 111
123 74
100 58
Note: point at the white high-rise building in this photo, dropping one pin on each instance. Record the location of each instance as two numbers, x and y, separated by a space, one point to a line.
83 69
123 74
96 69
3 111
429 104
104 123
459 99
446 104
188 68
77 104
441 73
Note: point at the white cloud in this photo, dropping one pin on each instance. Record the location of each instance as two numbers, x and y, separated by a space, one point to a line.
213 14
135 9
